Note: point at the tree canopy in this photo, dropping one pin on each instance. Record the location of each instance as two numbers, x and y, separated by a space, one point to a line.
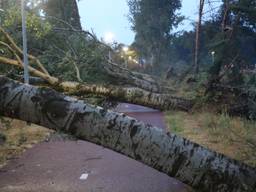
153 21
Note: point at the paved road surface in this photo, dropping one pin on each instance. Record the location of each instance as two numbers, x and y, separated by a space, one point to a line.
57 166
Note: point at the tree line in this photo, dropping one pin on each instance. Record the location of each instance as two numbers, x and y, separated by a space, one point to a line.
218 53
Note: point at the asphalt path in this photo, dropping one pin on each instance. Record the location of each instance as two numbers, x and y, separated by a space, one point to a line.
79 166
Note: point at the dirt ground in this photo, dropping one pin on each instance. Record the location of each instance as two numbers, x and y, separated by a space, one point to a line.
17 137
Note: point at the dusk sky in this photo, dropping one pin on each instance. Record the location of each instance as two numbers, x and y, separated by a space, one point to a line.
108 18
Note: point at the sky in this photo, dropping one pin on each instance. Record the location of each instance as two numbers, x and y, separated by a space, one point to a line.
108 18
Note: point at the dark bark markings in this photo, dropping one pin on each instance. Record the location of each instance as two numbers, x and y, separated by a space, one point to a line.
175 156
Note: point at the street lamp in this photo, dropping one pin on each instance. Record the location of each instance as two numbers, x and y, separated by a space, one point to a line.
213 56
125 50
24 38
109 39
2 11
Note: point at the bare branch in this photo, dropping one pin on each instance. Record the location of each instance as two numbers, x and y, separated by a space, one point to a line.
16 48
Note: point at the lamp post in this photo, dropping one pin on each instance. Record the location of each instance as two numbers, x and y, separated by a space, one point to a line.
125 50
213 57
109 56
1 11
24 38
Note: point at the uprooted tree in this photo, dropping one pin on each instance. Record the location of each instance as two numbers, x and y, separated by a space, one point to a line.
190 163
145 93
137 88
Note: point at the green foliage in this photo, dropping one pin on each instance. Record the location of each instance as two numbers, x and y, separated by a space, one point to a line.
53 39
174 121
153 21
68 51
37 28
217 124
235 48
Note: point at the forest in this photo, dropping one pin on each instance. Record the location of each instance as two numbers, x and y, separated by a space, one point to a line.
69 80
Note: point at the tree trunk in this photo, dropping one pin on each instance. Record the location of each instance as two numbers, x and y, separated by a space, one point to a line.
75 17
225 15
66 10
140 80
198 33
190 163
126 94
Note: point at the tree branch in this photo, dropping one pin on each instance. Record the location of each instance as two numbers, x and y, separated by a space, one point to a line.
16 48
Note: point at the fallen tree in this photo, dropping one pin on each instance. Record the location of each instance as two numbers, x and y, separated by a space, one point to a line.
139 80
124 94
190 163
120 93
143 81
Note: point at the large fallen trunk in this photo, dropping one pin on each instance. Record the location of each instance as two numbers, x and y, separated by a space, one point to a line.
190 163
128 94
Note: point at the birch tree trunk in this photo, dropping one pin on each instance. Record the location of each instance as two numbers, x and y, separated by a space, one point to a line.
192 164
126 94
198 34
140 80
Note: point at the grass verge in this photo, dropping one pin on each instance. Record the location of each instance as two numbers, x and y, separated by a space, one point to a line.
17 136
232 136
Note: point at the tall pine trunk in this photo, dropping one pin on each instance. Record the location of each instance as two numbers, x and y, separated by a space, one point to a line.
66 10
198 34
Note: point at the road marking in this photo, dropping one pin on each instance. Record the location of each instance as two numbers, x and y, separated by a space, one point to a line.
84 176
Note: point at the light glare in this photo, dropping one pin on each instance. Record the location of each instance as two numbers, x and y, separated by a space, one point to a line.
109 37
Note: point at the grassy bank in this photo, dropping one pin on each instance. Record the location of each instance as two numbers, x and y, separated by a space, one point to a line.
17 136
234 137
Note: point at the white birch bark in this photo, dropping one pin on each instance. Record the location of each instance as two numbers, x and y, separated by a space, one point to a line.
190 163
